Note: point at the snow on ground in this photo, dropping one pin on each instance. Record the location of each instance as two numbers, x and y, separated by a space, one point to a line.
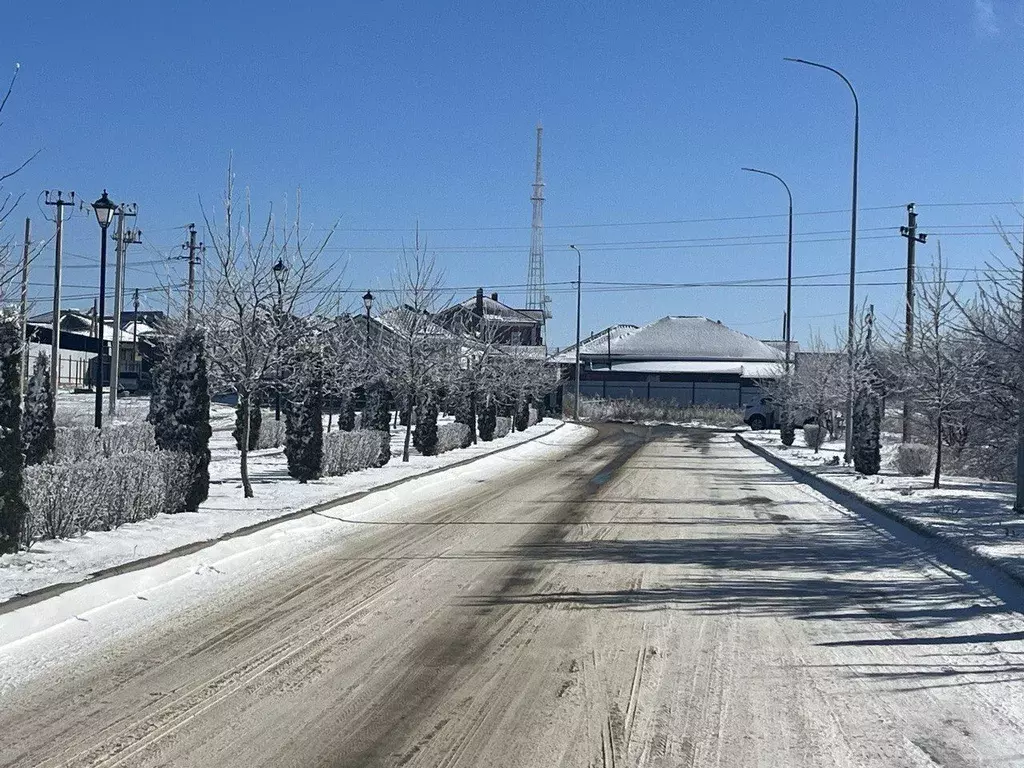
40 639
970 513
57 561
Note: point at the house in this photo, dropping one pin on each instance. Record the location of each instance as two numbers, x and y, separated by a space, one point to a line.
685 360
505 326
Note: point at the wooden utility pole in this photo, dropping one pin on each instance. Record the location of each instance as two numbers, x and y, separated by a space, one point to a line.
60 204
913 238
193 248
24 306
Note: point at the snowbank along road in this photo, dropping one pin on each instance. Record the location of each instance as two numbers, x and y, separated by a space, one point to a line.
654 597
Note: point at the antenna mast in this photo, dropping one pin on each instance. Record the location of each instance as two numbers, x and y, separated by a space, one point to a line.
536 296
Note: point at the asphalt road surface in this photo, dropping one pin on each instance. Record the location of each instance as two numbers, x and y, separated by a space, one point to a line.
653 598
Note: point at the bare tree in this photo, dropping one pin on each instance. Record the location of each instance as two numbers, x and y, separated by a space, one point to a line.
423 353
256 286
9 265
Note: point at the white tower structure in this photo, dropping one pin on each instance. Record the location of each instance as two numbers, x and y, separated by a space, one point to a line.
536 295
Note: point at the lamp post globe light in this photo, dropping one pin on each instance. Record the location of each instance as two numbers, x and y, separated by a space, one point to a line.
279 269
368 303
104 208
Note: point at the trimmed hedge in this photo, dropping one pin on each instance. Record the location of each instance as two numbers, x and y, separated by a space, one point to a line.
452 436
502 426
814 435
99 494
346 452
73 444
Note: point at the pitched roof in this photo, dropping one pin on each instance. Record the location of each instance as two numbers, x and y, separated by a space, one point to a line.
495 310
691 338
676 338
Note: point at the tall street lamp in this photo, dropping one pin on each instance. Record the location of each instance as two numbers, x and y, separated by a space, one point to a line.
787 326
853 253
279 270
579 295
104 208
368 303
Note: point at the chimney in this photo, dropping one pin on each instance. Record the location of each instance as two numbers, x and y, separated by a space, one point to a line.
494 297
480 302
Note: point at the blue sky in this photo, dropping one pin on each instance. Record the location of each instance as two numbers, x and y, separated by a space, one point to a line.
389 113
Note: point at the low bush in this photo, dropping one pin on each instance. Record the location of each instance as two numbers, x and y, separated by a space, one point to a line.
452 436
502 426
534 417
346 452
914 459
814 436
787 432
99 494
271 434
74 444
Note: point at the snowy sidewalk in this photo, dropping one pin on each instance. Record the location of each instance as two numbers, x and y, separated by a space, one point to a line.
971 515
54 562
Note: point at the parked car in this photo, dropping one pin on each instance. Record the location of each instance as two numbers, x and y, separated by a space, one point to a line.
765 414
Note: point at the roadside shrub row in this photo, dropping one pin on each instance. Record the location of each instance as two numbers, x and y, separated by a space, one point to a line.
346 452
69 499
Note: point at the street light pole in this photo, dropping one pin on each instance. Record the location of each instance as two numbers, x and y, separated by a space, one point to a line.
579 296
789 266
853 254
104 209
279 269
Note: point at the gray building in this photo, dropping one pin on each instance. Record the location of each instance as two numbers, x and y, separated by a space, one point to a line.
684 360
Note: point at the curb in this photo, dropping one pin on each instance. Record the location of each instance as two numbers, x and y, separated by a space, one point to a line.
26 599
851 500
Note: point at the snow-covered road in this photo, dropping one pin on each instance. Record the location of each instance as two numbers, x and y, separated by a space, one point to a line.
655 598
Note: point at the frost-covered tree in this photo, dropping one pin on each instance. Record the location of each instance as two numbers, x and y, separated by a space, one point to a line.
347 412
38 431
12 507
248 407
943 369
257 283
422 354
180 411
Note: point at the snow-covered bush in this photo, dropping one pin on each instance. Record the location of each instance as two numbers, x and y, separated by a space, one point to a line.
914 459
814 436
271 434
452 436
85 443
351 451
502 426
99 494
533 418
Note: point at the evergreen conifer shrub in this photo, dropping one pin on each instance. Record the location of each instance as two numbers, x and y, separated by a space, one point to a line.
304 431
426 429
487 419
180 412
347 413
787 431
522 417
867 424
12 507
38 430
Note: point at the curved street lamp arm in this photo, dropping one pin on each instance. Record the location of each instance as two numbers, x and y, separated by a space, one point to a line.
774 176
856 102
